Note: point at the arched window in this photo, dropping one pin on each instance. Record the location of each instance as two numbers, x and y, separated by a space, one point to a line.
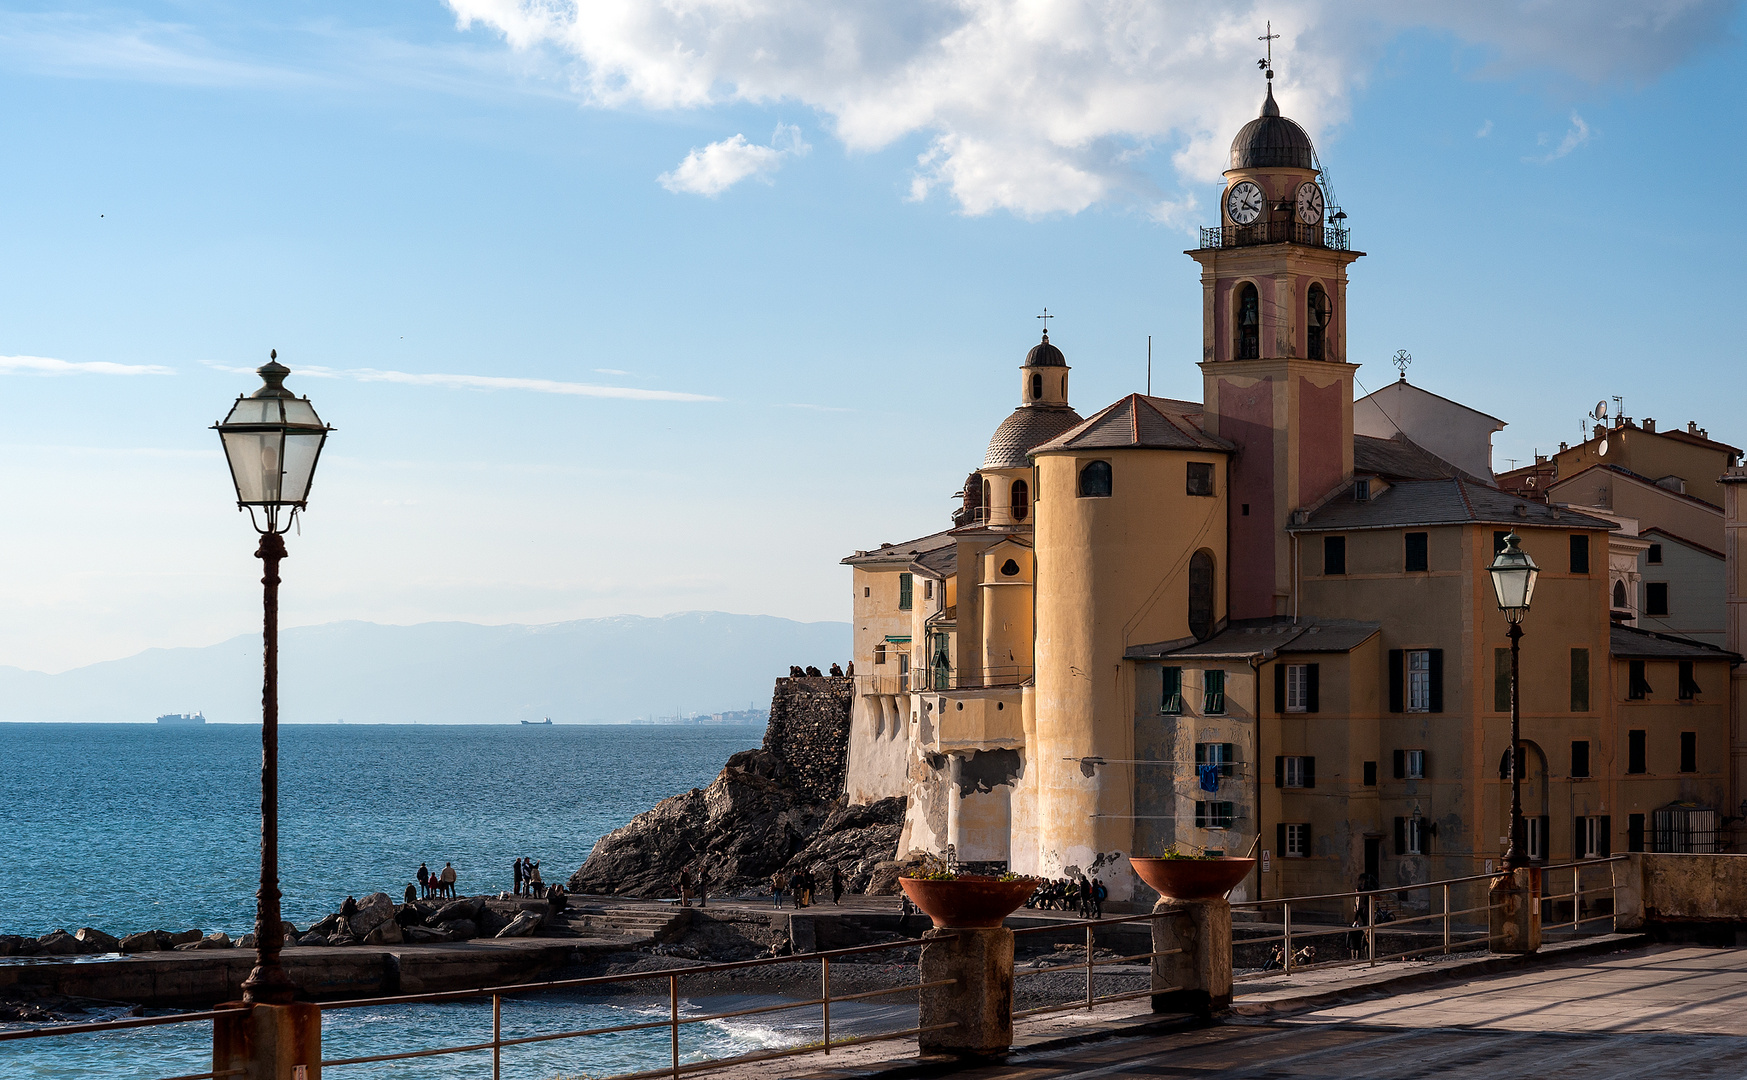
1021 500
1316 318
988 504
1620 594
1095 481
1249 323
1201 595
1036 386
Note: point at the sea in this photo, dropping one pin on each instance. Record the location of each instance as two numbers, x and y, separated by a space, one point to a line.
129 827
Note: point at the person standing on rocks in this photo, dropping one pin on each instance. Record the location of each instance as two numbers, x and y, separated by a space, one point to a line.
535 885
516 873
447 879
424 881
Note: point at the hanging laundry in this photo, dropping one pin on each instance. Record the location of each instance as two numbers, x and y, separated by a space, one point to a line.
1209 776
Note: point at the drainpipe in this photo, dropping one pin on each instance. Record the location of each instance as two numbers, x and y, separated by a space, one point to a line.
1256 671
955 777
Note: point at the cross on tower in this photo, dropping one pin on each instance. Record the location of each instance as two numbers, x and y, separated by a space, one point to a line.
1267 64
1401 359
1046 317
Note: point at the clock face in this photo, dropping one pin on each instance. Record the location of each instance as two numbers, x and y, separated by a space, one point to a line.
1243 203
1309 203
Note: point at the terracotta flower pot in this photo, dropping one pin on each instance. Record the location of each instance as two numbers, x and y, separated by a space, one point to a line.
968 903
1192 879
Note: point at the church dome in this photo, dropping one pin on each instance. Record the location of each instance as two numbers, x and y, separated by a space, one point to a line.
1029 426
1043 354
1272 141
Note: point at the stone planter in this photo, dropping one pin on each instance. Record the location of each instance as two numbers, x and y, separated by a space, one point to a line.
1192 879
966 902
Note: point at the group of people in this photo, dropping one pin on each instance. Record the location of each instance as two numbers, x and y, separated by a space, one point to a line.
796 671
690 886
1081 895
526 872
801 884
436 884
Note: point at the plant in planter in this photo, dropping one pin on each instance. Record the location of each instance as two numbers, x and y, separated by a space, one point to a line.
956 900
1178 875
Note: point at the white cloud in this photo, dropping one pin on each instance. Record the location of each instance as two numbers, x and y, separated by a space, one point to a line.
1575 136
538 386
1485 130
609 371
1040 107
43 365
720 165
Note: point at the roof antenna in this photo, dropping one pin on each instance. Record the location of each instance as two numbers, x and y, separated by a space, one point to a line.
1149 365
1046 317
1267 63
1401 359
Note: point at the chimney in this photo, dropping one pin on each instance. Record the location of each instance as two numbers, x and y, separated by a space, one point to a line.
1540 459
1692 427
1564 447
1649 425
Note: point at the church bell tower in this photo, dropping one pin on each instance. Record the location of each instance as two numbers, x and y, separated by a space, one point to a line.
1274 349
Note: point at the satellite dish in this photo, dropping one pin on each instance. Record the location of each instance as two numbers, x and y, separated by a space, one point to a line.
1530 482
1600 412
1602 452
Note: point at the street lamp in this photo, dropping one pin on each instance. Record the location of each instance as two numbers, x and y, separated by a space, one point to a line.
272 440
1513 579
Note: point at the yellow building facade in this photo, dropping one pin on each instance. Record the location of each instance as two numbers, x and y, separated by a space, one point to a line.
1235 625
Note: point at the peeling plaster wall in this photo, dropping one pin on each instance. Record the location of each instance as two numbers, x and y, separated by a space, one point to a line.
879 749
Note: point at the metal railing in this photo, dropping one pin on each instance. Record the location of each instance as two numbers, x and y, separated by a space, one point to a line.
64 1030
674 1021
1091 964
1273 232
988 678
1454 934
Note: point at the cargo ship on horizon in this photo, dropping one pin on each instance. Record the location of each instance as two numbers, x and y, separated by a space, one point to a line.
183 719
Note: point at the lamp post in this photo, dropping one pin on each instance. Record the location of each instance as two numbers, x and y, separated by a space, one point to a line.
1513 579
272 440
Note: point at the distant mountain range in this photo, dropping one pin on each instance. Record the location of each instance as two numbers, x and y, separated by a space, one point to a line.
615 670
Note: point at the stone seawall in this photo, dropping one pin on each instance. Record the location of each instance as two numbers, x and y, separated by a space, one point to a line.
809 731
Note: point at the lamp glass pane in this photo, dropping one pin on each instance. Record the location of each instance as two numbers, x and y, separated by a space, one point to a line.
301 449
299 411
254 458
253 411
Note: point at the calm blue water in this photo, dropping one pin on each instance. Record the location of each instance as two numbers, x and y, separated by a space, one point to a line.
132 827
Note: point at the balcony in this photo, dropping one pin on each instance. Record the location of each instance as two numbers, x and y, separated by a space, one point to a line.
1274 232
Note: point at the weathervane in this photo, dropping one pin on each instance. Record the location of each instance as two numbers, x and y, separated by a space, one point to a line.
1046 317
1267 63
1401 359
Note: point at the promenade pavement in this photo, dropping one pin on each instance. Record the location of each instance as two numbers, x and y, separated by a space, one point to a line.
1659 1012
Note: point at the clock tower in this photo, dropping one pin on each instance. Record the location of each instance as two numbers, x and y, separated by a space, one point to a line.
1275 376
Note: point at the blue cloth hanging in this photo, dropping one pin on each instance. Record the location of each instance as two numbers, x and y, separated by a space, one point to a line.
1209 777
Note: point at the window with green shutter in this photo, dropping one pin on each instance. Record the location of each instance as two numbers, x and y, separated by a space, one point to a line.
1213 696
906 592
1171 701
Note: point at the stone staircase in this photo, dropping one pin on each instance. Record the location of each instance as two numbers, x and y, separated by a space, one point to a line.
645 925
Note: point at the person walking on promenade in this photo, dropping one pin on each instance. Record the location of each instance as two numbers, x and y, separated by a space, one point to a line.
447 880
779 884
424 880
837 885
1099 895
685 888
516 874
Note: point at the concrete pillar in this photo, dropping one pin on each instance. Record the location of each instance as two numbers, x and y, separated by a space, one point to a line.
1629 892
1198 979
1515 918
270 1042
980 1002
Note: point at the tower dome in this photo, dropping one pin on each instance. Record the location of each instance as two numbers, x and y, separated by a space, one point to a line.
1043 354
1272 141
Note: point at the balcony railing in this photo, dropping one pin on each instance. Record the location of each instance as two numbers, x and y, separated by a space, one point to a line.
931 680
1273 232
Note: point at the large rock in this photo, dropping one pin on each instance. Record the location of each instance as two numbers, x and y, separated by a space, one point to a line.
146 941
424 935
220 940
460 929
58 943
522 925
97 941
373 911
326 926
386 932
466 908
185 937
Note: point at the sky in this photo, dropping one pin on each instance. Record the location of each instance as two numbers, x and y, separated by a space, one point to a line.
634 308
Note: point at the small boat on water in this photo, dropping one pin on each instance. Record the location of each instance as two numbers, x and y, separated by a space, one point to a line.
182 719
538 723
